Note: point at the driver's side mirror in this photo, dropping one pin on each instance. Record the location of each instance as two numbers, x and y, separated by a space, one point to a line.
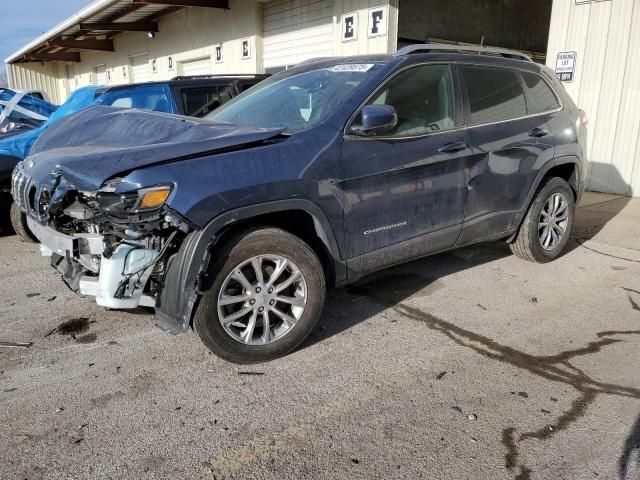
376 120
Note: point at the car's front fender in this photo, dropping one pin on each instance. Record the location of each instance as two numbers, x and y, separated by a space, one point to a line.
183 280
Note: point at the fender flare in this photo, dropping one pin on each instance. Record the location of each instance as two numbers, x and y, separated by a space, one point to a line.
542 173
175 304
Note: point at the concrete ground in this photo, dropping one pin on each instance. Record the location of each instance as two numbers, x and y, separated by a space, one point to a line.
471 364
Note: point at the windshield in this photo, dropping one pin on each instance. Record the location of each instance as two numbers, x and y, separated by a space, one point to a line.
294 101
148 97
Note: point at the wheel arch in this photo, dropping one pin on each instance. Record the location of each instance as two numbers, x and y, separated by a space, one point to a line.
186 271
567 168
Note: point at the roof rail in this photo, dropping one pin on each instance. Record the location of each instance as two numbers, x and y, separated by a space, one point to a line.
444 47
222 75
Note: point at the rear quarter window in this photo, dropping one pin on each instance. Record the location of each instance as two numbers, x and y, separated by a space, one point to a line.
495 94
540 96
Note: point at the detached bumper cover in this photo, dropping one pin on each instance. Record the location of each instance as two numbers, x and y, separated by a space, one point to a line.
66 245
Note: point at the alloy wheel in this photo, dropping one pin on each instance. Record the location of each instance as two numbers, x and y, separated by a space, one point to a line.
553 221
262 299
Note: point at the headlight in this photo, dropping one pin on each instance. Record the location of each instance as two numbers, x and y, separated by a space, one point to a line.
143 200
152 197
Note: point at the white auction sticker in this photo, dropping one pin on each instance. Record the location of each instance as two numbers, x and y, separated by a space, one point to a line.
352 67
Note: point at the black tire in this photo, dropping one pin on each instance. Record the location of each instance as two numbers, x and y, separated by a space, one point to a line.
240 248
19 224
527 245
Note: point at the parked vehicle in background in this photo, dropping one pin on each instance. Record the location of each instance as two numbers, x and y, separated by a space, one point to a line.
39 94
317 176
21 112
191 96
194 96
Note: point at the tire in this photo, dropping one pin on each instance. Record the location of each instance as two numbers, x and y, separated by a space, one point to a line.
528 243
271 245
19 224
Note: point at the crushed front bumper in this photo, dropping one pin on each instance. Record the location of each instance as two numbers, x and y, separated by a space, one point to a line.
60 243
116 281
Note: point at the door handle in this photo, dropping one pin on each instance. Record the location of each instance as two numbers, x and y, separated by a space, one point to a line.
452 147
538 132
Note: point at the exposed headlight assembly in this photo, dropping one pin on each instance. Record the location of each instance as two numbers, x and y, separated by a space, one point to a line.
137 201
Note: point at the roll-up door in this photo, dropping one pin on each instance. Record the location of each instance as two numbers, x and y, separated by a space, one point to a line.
101 75
296 30
197 67
140 69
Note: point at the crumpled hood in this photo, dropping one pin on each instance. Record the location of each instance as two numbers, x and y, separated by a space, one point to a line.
96 144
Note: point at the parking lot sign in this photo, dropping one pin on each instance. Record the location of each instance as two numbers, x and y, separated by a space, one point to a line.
566 66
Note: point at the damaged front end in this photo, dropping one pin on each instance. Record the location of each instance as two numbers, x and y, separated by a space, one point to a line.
111 245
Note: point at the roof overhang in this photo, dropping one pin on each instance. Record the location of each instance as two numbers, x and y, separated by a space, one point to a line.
94 27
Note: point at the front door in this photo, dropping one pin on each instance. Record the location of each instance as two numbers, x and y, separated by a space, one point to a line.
404 192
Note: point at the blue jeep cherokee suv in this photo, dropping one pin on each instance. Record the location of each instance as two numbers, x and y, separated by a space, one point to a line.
238 223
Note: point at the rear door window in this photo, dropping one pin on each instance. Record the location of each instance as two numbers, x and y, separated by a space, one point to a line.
198 102
540 97
495 94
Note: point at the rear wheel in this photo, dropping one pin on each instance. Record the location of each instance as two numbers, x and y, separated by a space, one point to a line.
546 228
19 224
266 297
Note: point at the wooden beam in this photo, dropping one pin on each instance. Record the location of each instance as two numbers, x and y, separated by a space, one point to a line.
188 3
62 56
98 45
121 27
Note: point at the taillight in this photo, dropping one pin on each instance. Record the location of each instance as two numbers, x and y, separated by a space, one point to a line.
584 120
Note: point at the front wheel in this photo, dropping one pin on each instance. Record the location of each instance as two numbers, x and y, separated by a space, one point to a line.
266 297
19 224
546 228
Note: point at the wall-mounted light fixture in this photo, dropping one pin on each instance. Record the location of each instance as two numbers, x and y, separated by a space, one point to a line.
151 35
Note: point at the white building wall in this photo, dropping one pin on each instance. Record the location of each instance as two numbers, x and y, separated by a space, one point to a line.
606 38
36 75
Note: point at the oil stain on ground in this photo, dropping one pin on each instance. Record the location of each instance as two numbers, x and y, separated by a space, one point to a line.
74 327
554 368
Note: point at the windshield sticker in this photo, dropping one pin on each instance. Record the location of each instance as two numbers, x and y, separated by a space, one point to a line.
352 67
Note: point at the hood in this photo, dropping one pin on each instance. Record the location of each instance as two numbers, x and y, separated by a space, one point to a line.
91 146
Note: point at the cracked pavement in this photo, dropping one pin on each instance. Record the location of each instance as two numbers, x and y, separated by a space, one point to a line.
470 364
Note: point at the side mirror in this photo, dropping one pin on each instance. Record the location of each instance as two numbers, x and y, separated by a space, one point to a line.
376 120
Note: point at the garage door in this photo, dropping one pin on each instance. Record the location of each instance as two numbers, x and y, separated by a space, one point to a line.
101 75
140 69
296 30
197 67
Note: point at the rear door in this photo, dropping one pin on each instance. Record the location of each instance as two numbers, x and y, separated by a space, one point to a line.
508 148
405 191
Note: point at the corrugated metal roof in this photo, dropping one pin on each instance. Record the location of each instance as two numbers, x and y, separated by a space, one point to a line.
100 11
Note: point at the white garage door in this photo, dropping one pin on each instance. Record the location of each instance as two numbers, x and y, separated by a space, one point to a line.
140 69
101 75
296 30
197 67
